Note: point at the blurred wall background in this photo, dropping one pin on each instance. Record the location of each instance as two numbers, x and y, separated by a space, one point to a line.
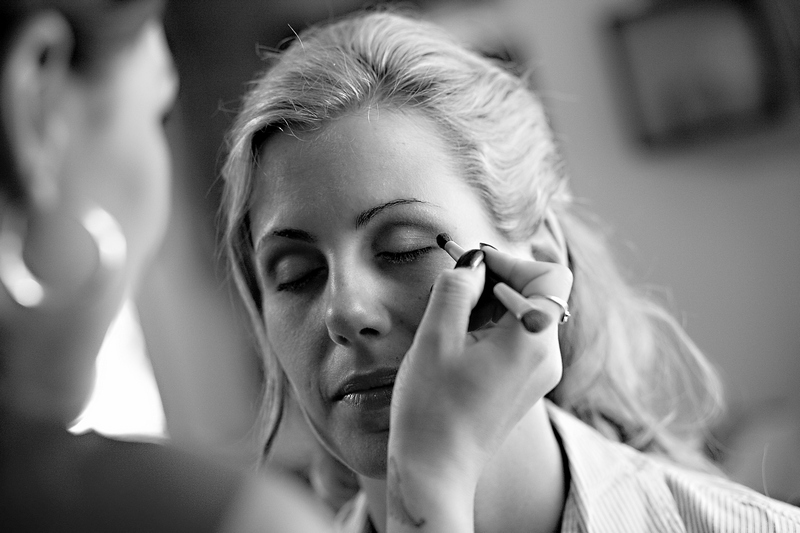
716 223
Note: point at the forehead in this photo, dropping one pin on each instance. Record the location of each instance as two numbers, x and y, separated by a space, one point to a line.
353 163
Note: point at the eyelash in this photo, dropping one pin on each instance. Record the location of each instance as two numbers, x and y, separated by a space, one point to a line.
394 258
401 258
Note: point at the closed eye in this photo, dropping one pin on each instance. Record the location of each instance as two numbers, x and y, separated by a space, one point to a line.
401 258
300 283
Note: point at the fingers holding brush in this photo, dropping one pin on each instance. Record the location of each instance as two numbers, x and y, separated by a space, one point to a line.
534 292
463 388
530 288
528 276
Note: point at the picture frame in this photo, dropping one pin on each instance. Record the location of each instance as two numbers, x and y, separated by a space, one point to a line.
694 69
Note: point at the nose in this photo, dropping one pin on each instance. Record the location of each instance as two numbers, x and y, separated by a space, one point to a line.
355 312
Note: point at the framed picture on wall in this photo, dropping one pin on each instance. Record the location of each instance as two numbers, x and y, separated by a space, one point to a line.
691 69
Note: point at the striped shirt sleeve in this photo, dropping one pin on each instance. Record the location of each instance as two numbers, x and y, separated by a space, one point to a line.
616 489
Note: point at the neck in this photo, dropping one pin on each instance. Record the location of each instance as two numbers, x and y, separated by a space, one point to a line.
522 489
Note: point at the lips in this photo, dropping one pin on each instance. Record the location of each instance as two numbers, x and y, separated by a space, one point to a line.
367 390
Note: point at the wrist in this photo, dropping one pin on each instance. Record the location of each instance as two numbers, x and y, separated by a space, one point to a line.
438 457
425 498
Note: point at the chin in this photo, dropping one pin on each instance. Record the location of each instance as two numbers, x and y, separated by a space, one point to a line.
366 455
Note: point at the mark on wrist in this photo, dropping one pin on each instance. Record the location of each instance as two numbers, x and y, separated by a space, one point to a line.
397 506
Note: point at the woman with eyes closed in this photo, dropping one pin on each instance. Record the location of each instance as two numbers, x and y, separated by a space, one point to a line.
372 153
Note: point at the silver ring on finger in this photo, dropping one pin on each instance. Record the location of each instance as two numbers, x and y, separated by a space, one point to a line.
565 314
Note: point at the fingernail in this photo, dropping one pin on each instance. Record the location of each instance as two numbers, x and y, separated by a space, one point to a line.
487 245
532 319
470 258
535 320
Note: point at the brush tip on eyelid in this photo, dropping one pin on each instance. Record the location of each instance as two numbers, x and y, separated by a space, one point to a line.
442 239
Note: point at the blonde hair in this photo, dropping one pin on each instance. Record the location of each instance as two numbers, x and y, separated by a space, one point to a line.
629 368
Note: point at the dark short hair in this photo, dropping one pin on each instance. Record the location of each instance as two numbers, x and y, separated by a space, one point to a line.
100 28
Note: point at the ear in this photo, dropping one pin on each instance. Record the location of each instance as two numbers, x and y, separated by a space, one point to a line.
34 82
549 243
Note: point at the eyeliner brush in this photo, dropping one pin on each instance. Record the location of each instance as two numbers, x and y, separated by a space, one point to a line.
447 244
532 318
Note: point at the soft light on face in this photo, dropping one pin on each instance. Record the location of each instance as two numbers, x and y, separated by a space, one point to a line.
344 223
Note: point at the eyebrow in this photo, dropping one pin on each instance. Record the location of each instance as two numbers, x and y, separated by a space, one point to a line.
365 216
362 219
290 233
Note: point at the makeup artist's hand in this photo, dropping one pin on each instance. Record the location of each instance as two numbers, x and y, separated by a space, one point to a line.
459 395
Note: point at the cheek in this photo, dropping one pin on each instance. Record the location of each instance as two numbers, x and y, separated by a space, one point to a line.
410 295
299 341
